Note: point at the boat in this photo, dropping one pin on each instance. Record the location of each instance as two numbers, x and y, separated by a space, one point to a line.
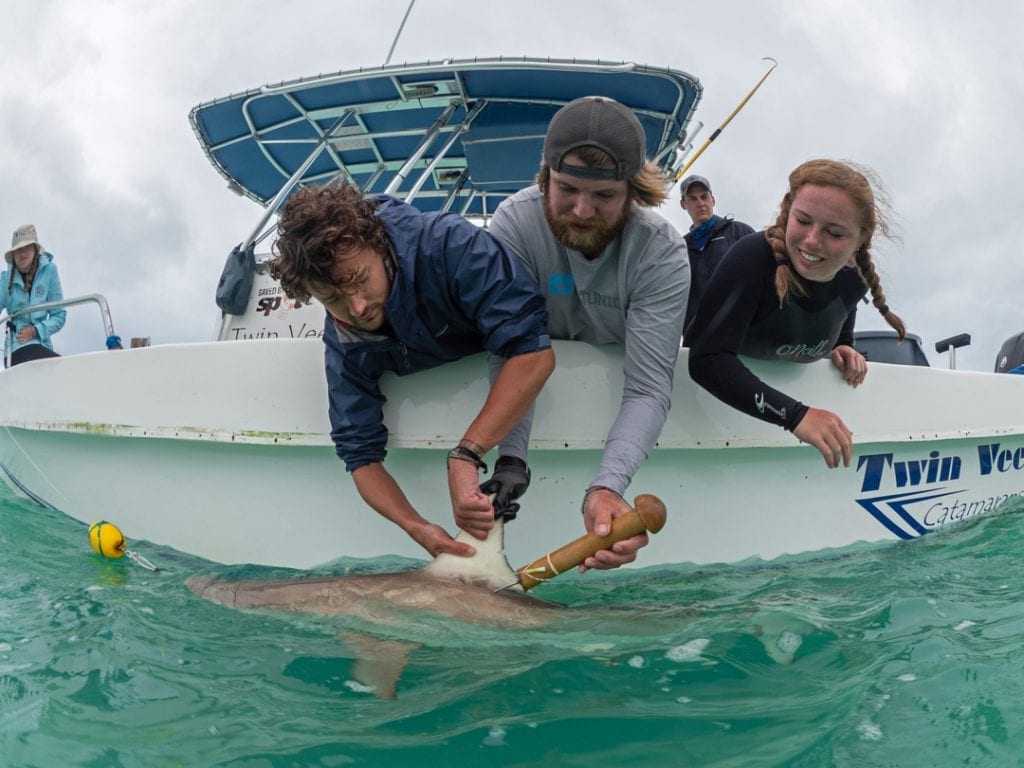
221 449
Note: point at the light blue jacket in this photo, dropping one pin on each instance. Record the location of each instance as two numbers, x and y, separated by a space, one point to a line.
45 287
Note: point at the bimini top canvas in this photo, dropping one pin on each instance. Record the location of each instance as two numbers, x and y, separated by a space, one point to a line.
452 135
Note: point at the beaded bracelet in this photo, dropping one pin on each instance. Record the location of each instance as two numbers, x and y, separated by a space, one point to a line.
462 453
474 447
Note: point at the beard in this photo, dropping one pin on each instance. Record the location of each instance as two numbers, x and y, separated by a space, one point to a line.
590 243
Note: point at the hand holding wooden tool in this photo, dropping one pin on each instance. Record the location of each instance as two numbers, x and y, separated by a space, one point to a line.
648 514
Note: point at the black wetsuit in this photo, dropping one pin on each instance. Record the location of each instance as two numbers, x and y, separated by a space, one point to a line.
740 315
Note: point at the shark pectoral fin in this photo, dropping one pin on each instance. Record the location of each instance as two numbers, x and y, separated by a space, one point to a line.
378 663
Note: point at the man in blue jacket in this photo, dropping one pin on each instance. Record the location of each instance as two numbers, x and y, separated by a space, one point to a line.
406 291
708 240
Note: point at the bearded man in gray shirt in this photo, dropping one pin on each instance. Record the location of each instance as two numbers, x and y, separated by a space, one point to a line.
612 272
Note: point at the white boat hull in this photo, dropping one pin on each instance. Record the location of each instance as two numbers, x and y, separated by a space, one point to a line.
221 450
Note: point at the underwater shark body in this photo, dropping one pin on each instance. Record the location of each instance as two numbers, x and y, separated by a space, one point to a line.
484 584
482 589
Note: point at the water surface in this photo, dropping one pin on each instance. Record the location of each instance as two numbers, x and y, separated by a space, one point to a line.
882 655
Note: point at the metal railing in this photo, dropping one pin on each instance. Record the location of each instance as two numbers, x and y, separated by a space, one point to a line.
113 340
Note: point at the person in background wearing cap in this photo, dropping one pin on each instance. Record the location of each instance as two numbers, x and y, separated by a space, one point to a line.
31 278
612 272
406 291
710 236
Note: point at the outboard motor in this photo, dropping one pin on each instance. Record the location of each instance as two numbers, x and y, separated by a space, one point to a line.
1011 355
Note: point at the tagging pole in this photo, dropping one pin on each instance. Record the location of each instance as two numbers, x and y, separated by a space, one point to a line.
682 171
649 515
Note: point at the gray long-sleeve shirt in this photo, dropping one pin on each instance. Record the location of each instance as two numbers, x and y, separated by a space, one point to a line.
634 293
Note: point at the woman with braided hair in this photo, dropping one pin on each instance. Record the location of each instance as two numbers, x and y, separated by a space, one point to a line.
791 293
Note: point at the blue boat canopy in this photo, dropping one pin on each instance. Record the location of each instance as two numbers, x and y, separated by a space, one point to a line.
451 135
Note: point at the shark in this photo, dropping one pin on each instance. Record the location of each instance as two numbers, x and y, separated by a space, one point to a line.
478 588
482 588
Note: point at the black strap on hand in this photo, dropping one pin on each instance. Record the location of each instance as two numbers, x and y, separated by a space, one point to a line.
510 480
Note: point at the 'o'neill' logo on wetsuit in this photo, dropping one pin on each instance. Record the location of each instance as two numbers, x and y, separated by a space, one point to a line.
805 351
761 405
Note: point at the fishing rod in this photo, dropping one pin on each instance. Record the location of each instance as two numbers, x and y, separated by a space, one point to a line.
682 171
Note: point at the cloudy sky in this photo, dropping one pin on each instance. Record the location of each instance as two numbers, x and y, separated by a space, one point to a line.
97 151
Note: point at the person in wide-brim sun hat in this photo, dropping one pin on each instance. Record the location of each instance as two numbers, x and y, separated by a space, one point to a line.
23 235
31 278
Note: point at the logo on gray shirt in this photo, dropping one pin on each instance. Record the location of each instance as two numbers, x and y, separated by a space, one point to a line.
561 285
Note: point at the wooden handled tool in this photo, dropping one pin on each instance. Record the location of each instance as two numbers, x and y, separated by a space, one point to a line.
648 514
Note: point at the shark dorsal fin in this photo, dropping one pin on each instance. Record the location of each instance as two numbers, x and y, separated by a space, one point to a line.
488 567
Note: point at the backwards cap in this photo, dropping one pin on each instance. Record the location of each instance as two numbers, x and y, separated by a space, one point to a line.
596 121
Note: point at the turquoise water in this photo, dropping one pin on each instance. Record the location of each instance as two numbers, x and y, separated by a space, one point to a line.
894 655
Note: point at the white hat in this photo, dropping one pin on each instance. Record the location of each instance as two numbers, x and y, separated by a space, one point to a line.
23 235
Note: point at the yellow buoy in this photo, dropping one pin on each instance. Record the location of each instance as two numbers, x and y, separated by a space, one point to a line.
106 539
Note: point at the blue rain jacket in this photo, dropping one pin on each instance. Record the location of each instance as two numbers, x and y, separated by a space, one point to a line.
457 291
45 287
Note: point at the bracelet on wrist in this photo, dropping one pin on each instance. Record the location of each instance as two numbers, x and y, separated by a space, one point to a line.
476 448
462 453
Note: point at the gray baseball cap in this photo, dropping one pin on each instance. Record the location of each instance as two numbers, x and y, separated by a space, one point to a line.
596 121
689 181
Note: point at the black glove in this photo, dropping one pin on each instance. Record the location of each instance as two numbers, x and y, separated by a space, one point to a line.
510 480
